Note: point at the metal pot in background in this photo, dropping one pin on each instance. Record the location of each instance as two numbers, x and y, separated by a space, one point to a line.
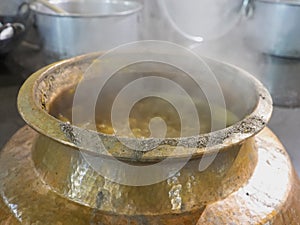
273 27
281 76
89 26
9 7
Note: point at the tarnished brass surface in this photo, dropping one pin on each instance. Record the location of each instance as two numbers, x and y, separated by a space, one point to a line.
252 104
66 171
259 187
44 178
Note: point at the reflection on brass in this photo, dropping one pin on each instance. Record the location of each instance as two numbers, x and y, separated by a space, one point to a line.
260 186
44 179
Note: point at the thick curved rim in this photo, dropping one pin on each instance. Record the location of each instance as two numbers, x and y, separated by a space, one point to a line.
132 6
35 117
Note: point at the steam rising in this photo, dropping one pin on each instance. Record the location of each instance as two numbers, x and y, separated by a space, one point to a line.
221 23
208 16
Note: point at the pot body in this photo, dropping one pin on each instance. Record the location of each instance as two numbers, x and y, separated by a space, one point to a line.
90 26
273 27
45 182
250 181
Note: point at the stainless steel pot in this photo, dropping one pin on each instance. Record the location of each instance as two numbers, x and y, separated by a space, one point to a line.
89 26
273 26
281 76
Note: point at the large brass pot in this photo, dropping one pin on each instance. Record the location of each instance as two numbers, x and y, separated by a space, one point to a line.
44 178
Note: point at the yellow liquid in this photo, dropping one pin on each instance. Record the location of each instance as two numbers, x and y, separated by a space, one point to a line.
139 118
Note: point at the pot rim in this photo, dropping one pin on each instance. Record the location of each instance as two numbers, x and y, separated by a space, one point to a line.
194 146
134 7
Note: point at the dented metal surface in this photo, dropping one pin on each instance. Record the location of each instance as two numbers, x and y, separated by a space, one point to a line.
269 194
44 179
49 82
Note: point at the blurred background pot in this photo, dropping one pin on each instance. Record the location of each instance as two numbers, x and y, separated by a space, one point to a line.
273 28
281 77
88 26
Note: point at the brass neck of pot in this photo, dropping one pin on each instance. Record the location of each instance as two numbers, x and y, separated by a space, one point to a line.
67 173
